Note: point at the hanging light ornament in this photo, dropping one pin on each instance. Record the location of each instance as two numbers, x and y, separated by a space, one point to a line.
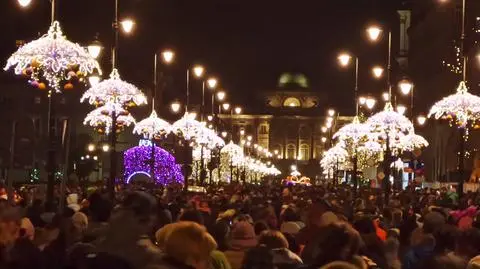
101 118
114 90
187 127
354 131
209 139
390 121
461 108
412 141
152 127
234 153
335 156
54 59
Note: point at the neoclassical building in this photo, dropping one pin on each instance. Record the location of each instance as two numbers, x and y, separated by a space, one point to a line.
288 121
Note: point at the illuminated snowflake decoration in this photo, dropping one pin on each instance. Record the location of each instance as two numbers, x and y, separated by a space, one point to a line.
52 58
412 141
101 118
188 128
114 90
152 127
460 108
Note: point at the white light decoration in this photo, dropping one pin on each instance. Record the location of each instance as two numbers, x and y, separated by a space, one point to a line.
187 127
197 153
101 117
412 141
209 139
52 58
401 109
235 152
24 3
114 90
389 121
335 156
354 131
152 127
461 108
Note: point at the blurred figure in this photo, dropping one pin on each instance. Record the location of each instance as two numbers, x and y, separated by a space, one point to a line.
243 238
278 244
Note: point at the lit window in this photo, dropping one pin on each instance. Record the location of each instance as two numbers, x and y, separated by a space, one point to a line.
291 102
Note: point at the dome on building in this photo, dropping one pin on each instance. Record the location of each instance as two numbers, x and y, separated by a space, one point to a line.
293 80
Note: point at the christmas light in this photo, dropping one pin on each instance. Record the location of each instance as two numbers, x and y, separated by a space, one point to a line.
412 141
461 108
152 127
114 90
137 160
389 121
101 117
187 127
52 58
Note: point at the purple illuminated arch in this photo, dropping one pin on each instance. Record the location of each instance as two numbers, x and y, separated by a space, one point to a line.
137 160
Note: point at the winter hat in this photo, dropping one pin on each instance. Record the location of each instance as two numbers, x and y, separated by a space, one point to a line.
290 228
474 263
72 202
27 226
243 235
80 221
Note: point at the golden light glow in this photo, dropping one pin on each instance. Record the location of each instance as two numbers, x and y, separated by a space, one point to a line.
344 59
386 96
374 32
324 139
168 56
24 3
370 102
221 95
212 83
198 71
324 129
405 86
331 112
127 25
95 49
401 109
377 71
225 106
91 147
421 120
328 125
105 148
238 110
175 106
362 100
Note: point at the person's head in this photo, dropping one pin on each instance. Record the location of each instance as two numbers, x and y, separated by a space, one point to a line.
260 226
221 234
338 242
445 238
10 221
364 226
189 243
142 205
243 235
80 222
468 243
192 215
272 239
259 257
27 229
99 208
163 233
290 214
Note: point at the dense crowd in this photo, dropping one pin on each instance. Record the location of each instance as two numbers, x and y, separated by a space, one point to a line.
245 227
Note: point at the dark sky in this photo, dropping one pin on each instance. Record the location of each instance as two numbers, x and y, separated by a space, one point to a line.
247 43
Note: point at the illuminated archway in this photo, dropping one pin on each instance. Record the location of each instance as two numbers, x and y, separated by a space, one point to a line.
291 102
137 160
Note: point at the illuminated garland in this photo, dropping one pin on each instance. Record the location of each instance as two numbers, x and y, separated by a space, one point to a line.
152 127
52 58
412 141
461 108
101 118
137 160
114 90
187 127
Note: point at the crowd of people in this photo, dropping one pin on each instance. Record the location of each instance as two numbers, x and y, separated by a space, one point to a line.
245 227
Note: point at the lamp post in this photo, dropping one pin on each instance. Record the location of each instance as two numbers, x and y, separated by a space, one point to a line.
406 88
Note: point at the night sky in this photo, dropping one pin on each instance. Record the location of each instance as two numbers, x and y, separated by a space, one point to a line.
247 44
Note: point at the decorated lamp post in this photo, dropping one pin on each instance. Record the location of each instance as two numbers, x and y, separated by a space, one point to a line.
52 63
115 95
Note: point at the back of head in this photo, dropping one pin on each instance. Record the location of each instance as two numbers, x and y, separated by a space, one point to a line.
141 204
189 243
258 258
192 215
272 239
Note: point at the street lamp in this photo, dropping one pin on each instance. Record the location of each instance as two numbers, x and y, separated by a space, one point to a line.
344 59
401 109
249 138
212 83
370 102
377 71
324 129
105 148
421 120
405 86
331 112
198 71
329 120
224 134
328 125
238 110
324 139
168 56
386 96
95 48
127 25
221 95
226 106
175 106
91 147
362 100
374 32
24 3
